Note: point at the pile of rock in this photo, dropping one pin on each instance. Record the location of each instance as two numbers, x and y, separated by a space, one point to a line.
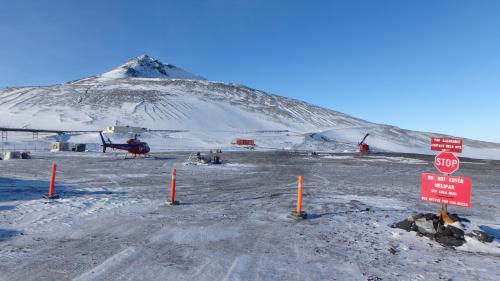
431 226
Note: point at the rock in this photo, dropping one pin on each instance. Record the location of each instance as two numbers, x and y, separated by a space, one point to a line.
443 230
429 225
450 241
425 226
404 224
427 216
414 227
480 236
392 251
440 229
456 232
412 217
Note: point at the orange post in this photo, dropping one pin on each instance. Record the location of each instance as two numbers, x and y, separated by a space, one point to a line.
299 196
299 214
172 187
52 182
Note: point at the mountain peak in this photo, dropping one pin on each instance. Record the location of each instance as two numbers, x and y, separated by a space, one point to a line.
144 60
145 66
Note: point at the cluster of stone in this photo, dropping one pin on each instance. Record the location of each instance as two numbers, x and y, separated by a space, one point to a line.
430 225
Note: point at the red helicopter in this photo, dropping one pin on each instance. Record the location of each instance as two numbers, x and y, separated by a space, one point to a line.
133 146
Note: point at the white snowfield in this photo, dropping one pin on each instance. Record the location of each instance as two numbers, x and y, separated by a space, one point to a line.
146 93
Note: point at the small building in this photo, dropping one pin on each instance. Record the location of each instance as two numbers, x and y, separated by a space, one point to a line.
126 129
78 147
59 146
9 155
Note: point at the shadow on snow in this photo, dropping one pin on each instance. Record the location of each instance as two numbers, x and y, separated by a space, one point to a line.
493 232
7 233
21 189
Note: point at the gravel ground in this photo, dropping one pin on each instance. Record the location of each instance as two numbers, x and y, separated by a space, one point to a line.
233 221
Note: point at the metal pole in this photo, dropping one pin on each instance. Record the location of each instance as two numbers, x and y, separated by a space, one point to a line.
4 139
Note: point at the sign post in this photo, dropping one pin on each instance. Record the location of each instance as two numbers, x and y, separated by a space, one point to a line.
445 189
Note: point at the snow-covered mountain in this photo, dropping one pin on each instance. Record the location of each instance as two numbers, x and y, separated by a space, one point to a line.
145 66
147 93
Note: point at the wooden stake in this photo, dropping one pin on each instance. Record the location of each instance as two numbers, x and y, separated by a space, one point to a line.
443 213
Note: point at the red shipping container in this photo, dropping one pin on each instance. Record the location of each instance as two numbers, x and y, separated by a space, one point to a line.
245 142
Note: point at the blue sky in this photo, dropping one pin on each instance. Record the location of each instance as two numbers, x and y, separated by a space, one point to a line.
422 65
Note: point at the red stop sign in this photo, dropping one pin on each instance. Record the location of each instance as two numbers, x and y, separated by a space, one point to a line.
446 162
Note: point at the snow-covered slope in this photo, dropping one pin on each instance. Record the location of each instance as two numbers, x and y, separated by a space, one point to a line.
162 103
393 139
144 92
